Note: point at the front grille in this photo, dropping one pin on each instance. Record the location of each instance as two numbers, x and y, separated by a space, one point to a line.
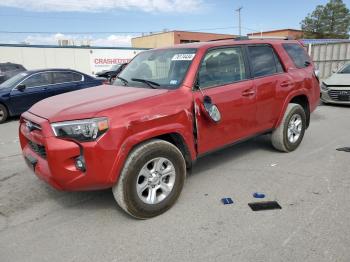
339 95
39 149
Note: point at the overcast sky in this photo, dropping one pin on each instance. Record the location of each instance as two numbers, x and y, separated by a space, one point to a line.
123 19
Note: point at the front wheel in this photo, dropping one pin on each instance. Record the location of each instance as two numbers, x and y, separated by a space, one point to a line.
3 113
151 180
288 136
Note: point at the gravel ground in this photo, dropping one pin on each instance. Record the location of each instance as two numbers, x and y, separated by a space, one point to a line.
312 184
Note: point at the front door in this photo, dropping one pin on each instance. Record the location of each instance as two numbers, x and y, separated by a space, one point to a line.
224 78
35 90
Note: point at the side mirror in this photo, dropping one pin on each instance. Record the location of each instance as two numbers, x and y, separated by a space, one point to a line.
211 109
21 87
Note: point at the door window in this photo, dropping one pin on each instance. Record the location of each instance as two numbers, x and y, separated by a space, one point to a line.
222 66
39 79
297 54
62 77
264 61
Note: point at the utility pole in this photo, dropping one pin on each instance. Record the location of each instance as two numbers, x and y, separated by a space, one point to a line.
239 20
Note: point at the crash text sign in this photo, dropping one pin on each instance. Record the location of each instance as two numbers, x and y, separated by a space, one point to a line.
104 59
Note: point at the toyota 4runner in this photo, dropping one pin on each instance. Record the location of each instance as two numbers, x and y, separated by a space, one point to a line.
167 108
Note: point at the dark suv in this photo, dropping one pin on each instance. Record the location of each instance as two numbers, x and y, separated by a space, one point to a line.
8 70
167 108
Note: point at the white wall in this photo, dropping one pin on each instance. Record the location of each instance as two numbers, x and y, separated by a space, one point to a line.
81 59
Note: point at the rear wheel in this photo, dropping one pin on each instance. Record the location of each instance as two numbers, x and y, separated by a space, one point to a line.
3 113
151 180
288 136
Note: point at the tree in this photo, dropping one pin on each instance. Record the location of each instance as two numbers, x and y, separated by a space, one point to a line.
329 21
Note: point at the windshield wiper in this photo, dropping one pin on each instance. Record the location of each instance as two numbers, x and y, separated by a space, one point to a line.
150 83
123 80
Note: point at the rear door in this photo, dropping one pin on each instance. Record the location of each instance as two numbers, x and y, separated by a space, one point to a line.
303 70
35 90
272 84
65 81
224 76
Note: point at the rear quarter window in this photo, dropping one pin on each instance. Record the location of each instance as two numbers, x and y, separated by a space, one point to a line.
298 55
77 77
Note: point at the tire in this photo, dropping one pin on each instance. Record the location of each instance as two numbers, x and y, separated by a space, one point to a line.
287 139
3 114
140 191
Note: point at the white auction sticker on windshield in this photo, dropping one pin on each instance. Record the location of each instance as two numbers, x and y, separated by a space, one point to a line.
183 57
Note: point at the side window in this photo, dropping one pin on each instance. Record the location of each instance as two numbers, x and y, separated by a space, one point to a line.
39 79
77 77
9 67
62 77
222 66
297 54
264 61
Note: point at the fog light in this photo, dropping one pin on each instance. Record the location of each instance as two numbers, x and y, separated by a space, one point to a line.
80 163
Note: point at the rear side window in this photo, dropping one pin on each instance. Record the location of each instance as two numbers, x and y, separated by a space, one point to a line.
77 77
264 61
222 66
8 67
297 54
62 77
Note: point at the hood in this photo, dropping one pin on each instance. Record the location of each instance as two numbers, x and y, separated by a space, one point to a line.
338 79
88 102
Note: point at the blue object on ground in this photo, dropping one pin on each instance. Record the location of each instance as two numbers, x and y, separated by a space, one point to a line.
227 201
258 195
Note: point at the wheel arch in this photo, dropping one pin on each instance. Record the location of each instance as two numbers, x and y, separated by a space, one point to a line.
176 138
300 99
7 108
303 101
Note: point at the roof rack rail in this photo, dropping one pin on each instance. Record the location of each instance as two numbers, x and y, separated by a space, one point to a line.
220 39
239 38
271 37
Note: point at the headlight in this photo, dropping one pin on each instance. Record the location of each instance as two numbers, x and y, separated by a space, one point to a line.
324 87
81 130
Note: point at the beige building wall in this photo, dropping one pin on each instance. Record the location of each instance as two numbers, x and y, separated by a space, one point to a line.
174 37
153 41
295 34
54 57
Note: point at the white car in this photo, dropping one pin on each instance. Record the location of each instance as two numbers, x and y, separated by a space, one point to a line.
336 88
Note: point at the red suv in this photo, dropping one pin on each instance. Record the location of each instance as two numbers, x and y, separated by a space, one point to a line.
167 108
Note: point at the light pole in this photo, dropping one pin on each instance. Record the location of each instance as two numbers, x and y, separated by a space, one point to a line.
239 20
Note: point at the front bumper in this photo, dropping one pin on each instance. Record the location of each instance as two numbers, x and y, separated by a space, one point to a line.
334 96
53 159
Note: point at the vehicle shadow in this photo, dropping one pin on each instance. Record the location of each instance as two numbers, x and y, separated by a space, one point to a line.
219 157
12 119
103 200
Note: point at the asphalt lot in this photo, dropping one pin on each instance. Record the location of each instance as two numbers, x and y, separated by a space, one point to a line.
312 185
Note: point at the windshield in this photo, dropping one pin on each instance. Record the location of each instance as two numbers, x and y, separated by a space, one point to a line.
163 68
13 80
345 69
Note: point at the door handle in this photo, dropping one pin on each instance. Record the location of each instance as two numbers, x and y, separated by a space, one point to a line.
285 84
249 92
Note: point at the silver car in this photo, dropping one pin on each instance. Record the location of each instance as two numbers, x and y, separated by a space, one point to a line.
336 88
